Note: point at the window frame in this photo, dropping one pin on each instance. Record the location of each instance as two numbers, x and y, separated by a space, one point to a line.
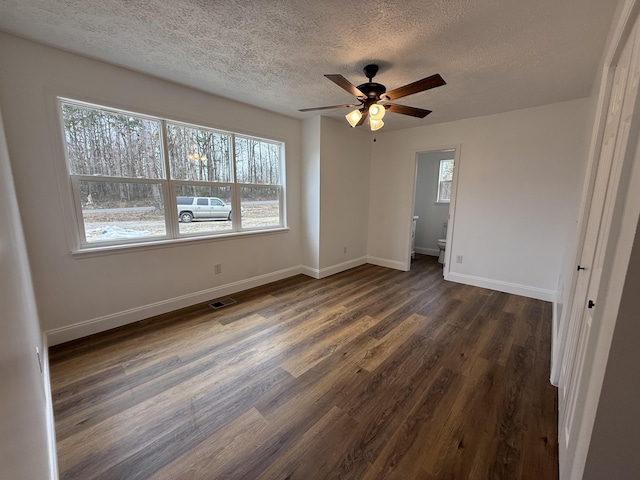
168 185
440 200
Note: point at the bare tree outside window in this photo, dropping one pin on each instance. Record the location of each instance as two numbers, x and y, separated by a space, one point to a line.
258 170
128 169
198 154
445 180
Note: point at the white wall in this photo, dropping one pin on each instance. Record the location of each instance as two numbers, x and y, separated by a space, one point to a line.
344 193
335 196
310 194
518 194
71 289
429 227
24 407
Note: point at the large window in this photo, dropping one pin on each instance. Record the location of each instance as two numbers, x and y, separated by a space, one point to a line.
137 178
445 180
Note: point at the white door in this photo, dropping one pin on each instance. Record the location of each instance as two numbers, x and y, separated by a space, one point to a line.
578 349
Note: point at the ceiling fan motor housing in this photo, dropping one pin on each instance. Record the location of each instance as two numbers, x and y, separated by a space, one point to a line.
372 90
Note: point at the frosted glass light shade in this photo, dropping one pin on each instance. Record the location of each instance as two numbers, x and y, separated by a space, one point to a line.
375 124
353 117
376 111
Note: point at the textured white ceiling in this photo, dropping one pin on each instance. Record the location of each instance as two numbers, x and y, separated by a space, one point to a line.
495 55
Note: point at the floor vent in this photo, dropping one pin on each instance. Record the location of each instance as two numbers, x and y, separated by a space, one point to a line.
222 303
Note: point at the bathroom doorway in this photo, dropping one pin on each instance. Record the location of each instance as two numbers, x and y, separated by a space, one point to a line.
433 202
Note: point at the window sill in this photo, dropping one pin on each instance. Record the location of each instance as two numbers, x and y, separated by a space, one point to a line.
442 203
174 242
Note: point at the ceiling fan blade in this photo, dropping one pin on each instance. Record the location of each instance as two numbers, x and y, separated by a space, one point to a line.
326 108
345 84
420 86
405 110
365 114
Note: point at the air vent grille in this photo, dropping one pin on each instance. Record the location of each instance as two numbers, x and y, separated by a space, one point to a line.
222 303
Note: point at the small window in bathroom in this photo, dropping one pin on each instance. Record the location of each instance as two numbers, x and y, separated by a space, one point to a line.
445 179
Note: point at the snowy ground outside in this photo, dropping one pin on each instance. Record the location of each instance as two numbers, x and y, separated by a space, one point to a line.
118 224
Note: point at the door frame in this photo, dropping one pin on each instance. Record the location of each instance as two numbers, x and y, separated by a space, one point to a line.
618 39
617 246
457 148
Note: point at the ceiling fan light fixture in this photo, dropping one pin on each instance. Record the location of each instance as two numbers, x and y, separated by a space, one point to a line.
375 124
376 111
353 117
375 100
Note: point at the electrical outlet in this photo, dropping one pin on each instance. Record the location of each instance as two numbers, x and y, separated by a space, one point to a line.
458 258
217 268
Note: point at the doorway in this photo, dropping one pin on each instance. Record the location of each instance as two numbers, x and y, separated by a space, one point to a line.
433 201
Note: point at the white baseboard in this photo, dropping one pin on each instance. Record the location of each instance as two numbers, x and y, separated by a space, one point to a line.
384 262
107 322
333 269
51 425
514 288
554 371
310 271
434 252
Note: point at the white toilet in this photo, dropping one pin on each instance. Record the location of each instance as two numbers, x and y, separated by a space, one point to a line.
442 245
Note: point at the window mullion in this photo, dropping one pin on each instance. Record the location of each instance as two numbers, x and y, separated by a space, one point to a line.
236 219
104 178
81 231
170 207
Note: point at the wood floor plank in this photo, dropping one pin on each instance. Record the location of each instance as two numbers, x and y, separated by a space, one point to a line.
398 375
383 404
458 442
388 344
316 450
402 454
313 355
499 345
371 373
297 405
209 459
188 412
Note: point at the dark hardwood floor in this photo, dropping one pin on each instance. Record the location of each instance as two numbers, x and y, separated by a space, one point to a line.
368 374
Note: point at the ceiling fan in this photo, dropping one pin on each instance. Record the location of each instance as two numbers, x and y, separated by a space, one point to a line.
375 100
